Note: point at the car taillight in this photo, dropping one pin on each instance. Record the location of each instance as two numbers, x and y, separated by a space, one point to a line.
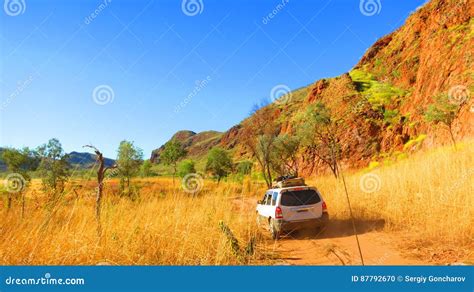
325 208
278 213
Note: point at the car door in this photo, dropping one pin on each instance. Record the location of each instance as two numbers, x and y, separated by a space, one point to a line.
266 205
262 206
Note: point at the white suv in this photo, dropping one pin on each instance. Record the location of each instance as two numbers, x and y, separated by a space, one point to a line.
286 209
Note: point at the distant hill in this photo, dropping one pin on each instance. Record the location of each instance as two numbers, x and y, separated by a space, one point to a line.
76 159
86 160
196 144
382 99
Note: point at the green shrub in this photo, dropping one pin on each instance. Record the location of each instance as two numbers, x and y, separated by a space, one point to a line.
414 143
219 163
244 167
186 167
377 93
390 116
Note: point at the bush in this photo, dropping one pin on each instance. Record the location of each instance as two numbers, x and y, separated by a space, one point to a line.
146 168
244 167
391 116
186 167
377 93
219 163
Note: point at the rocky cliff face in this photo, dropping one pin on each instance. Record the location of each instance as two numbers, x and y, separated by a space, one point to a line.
432 53
382 100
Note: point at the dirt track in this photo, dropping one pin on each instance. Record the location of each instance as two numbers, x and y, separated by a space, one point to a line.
337 246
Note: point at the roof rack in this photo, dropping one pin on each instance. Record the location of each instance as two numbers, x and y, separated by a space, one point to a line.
288 181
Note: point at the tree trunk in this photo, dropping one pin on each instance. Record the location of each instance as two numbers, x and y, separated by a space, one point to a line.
100 186
269 176
333 165
174 172
452 137
333 170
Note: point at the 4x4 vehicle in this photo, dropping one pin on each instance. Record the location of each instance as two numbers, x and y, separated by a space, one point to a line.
291 205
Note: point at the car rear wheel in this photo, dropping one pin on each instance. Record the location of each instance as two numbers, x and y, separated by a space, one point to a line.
273 230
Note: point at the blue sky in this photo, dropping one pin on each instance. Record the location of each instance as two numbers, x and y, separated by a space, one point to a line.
155 69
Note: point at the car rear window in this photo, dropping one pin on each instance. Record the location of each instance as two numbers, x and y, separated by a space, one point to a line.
300 198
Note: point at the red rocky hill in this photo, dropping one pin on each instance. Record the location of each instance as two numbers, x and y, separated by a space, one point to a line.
382 99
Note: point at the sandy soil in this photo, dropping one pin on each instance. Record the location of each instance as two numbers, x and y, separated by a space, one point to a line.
337 245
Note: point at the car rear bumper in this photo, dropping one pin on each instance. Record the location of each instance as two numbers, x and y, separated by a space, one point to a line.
282 225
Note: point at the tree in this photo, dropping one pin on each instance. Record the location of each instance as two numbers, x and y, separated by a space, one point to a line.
285 155
145 169
442 111
244 167
258 135
219 163
129 160
53 168
264 155
186 167
319 134
19 163
172 153
100 183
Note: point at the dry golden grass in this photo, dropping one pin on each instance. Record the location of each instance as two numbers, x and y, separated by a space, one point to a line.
164 227
429 195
